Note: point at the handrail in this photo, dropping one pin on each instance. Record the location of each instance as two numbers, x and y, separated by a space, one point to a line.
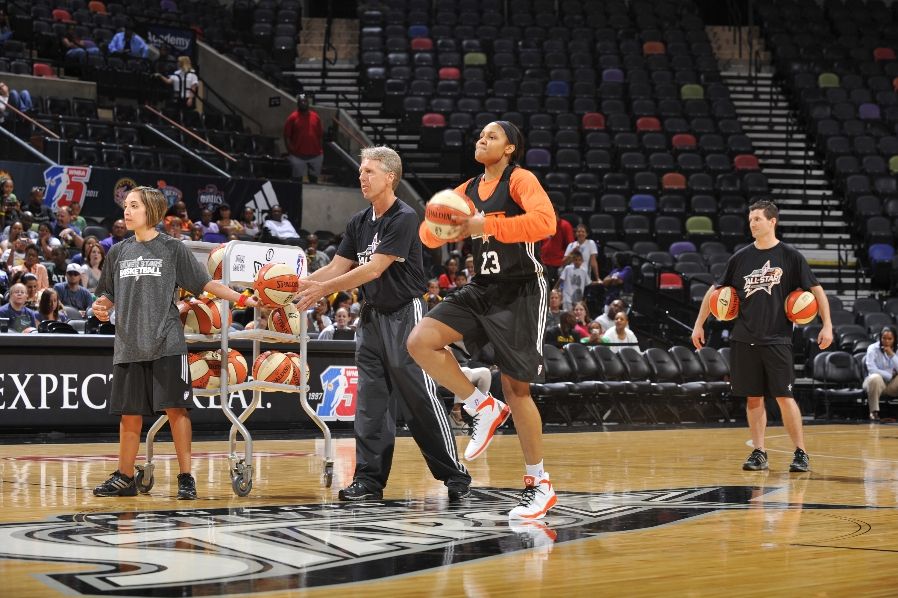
28 147
189 132
21 114
187 151
349 131
234 109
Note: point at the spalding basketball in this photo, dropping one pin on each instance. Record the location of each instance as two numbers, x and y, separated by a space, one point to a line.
441 211
285 319
801 306
724 303
294 379
276 284
237 368
200 371
273 366
200 316
213 264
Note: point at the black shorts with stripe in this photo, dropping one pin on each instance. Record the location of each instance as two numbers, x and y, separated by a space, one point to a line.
151 387
761 370
509 314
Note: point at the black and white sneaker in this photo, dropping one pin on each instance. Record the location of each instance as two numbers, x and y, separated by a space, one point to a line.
118 484
357 491
458 491
757 461
186 487
800 463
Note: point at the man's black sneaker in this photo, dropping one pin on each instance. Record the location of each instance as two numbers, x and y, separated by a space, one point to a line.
186 487
756 461
800 462
358 491
118 484
458 491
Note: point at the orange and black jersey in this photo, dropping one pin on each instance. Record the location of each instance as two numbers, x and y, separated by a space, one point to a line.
519 215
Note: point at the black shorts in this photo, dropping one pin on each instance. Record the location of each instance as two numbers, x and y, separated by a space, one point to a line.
511 315
150 387
761 370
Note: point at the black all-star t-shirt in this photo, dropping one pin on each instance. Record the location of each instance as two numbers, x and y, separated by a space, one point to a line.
763 278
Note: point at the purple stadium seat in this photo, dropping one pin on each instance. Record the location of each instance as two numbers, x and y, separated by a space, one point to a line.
868 112
681 247
613 75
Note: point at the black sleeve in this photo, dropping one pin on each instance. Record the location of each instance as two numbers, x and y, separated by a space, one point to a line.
726 279
402 232
347 248
804 276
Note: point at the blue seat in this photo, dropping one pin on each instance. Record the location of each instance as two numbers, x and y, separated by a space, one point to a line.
643 203
881 252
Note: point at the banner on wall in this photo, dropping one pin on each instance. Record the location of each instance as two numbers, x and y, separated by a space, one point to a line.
179 41
70 389
101 191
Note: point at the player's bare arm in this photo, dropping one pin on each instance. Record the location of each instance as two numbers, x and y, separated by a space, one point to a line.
310 291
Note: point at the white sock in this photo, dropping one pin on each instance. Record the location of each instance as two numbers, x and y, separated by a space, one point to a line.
536 471
473 401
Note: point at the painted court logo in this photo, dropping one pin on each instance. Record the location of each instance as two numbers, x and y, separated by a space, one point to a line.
763 279
140 267
277 548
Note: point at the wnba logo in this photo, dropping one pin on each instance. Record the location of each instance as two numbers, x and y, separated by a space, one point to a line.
338 383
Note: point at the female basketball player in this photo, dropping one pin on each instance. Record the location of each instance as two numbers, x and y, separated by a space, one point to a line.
141 277
504 304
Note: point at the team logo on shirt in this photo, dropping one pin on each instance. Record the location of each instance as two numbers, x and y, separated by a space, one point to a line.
365 256
140 267
763 279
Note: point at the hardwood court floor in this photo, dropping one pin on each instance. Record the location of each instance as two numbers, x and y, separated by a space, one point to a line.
642 513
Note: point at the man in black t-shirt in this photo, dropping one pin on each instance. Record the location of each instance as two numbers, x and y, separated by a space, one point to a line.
761 364
383 240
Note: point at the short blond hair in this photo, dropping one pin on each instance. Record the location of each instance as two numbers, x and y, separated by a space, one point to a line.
155 203
388 158
184 63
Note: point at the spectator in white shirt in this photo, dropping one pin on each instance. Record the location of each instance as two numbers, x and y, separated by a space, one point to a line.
621 332
341 322
280 228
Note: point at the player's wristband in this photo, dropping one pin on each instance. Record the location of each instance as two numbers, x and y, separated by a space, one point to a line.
241 301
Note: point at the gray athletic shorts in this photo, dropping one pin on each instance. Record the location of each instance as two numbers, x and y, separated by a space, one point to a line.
511 315
761 370
151 387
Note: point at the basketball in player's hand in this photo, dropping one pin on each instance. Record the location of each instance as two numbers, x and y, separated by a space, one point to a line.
276 285
724 303
444 211
801 306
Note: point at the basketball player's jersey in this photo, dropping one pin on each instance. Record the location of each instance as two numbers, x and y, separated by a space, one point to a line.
494 260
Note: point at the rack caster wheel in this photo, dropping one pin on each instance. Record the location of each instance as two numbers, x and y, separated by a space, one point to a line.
241 486
328 475
144 480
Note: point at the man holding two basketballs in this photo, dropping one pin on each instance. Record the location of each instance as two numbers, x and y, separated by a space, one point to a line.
764 274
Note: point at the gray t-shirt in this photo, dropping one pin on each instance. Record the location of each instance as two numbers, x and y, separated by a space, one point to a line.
142 280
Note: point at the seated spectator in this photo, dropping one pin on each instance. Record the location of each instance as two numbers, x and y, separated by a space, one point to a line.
318 318
20 100
10 210
432 296
49 307
56 270
565 332
77 48
32 293
65 229
14 255
46 242
469 266
279 227
581 315
128 43
80 258
317 259
179 209
573 280
32 265
595 334
619 282
196 232
116 235
228 226
251 228
172 227
447 279
882 367
71 292
39 210
184 83
11 233
621 332
77 219
20 317
264 313
554 313
341 322
206 221
461 279
91 271
607 318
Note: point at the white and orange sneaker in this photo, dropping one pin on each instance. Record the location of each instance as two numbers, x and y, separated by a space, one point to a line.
533 534
536 499
489 415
